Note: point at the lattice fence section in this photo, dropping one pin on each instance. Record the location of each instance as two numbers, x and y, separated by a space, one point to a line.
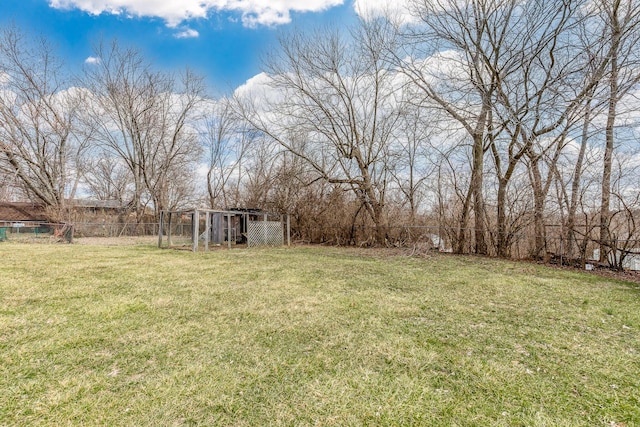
265 233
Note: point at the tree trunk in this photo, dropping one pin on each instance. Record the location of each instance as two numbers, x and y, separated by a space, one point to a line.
464 222
538 213
477 180
605 215
575 184
380 224
502 241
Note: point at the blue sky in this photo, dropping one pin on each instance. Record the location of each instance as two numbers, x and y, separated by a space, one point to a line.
225 46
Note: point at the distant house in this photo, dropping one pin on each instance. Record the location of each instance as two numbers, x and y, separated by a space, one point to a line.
21 212
96 206
87 210
23 217
26 217
27 211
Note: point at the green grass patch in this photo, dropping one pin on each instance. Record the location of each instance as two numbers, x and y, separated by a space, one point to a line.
95 335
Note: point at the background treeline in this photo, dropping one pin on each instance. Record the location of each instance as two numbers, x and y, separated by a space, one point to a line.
495 127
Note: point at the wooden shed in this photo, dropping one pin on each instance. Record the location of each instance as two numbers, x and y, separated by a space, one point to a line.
203 228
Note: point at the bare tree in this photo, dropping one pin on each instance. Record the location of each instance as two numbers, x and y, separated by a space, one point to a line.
509 71
535 63
107 178
620 21
261 169
624 231
573 199
40 138
411 163
444 57
226 139
147 119
336 109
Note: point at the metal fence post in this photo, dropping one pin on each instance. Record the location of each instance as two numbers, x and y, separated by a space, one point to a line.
229 231
207 232
196 230
160 229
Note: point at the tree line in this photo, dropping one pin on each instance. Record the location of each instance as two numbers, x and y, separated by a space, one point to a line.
487 118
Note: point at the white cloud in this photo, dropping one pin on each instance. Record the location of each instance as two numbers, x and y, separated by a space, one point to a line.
187 33
257 85
92 60
202 169
629 110
397 10
4 78
254 12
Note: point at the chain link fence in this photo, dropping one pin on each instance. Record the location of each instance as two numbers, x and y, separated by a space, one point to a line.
106 229
583 250
36 231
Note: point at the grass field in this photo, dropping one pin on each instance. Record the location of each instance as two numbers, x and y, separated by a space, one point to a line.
97 335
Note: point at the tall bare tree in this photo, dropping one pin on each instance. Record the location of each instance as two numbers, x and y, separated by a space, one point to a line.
535 63
40 135
226 139
620 22
509 71
412 164
147 119
337 108
444 57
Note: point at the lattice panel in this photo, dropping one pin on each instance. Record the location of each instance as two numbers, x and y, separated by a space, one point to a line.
265 233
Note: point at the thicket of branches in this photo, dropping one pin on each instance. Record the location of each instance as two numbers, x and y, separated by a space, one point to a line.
496 125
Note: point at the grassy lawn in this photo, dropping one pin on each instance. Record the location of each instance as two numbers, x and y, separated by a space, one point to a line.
98 335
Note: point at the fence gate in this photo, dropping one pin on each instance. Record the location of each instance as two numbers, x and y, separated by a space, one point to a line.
265 233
